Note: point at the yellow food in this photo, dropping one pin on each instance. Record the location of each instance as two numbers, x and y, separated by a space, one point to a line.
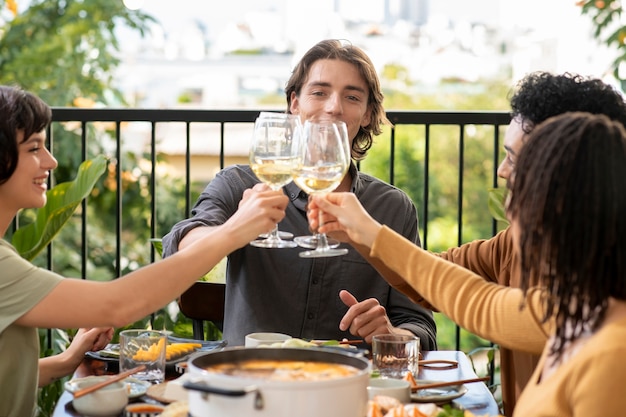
284 370
178 350
172 351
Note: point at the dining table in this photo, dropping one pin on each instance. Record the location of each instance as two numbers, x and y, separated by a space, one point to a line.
478 398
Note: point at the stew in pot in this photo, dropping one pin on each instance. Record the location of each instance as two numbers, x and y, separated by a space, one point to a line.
284 370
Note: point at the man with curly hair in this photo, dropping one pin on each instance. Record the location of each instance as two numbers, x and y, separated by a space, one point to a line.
537 97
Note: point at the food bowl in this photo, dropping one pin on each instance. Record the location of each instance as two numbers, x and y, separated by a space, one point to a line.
399 389
107 401
143 410
264 339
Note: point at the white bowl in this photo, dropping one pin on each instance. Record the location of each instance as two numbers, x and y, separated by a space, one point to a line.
107 401
264 339
390 387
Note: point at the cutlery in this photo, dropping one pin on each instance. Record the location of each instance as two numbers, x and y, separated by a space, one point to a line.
111 380
438 364
340 342
448 383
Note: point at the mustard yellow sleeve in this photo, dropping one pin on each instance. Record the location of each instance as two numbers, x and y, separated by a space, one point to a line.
489 310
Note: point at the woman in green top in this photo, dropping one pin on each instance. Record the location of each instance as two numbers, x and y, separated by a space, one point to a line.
32 297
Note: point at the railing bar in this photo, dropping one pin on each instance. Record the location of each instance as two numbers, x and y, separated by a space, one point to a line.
448 118
83 217
222 152
49 260
496 160
460 209
152 185
426 183
118 200
66 114
187 169
392 155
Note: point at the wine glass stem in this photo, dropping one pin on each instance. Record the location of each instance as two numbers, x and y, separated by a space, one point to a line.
322 241
273 235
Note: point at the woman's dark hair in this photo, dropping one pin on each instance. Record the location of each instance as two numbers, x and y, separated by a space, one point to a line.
336 49
19 110
541 95
568 201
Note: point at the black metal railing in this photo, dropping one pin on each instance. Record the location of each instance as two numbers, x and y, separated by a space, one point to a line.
423 121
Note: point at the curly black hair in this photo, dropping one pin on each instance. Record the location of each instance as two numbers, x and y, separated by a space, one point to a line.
568 202
541 95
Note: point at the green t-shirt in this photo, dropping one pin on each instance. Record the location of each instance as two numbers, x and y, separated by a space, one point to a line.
22 286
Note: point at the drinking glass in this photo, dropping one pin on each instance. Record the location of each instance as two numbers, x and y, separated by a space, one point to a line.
144 347
324 161
273 158
395 355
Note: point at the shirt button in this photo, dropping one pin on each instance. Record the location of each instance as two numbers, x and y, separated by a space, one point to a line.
315 281
311 316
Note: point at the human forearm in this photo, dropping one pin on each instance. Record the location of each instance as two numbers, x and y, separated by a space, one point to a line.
81 303
485 309
58 366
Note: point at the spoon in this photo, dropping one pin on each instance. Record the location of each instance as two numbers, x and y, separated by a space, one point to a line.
109 381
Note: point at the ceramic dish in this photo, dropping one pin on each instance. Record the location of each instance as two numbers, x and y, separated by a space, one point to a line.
136 388
440 395
111 352
143 410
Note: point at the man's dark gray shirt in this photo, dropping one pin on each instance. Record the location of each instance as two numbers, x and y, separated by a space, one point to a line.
275 290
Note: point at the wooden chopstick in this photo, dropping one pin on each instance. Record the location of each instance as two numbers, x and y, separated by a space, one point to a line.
111 380
432 361
449 383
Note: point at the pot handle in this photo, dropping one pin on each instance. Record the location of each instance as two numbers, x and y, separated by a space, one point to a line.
259 404
198 386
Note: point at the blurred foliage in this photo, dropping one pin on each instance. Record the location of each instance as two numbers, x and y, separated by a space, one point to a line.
607 19
65 49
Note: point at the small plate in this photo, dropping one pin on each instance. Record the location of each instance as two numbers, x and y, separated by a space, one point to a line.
111 352
136 387
440 395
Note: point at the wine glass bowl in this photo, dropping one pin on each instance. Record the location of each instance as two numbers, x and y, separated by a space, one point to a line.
324 162
274 154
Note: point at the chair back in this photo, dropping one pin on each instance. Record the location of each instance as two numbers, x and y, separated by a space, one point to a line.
203 301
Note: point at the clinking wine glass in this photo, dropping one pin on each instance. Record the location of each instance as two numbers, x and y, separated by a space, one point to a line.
324 161
274 154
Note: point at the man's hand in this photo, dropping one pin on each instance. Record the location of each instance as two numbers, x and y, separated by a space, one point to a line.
364 319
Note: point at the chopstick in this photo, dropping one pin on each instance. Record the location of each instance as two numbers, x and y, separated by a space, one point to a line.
341 342
449 383
111 380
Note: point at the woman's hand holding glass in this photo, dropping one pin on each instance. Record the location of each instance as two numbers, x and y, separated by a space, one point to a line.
324 162
343 213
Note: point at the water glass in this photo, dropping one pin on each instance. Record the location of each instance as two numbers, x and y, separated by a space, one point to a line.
395 355
144 347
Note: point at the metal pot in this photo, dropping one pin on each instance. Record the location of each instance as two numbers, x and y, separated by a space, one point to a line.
213 394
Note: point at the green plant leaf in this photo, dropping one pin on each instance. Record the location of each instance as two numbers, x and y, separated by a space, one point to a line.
63 200
497 197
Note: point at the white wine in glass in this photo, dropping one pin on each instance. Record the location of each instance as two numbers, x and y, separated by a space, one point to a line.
324 161
274 154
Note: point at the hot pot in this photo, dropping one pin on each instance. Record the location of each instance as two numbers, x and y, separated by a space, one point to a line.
219 394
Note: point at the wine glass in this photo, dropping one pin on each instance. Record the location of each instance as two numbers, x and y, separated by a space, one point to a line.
274 154
324 161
